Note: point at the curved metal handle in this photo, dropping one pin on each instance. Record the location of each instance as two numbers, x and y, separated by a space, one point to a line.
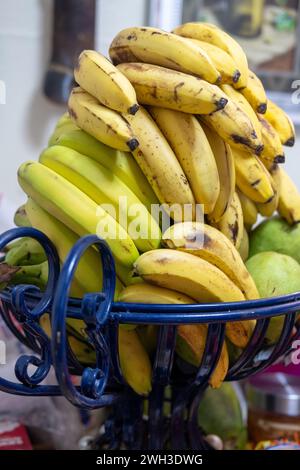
95 312
29 319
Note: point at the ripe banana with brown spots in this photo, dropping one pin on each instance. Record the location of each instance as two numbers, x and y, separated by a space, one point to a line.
223 62
213 35
252 178
226 169
155 46
232 222
191 339
196 278
273 151
235 127
255 93
161 167
103 123
99 77
158 86
210 244
282 123
191 147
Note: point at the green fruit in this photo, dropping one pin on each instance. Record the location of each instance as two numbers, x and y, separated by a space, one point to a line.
274 274
220 414
276 234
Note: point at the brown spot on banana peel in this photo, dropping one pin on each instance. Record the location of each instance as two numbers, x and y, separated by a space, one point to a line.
132 37
238 139
234 230
179 85
72 113
255 183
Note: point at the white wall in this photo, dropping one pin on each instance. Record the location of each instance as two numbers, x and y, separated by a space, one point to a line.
27 118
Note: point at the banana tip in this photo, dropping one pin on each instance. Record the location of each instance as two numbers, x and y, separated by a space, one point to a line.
236 76
133 109
290 142
221 103
262 108
133 144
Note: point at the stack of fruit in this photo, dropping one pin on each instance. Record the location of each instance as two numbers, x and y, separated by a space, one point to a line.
175 121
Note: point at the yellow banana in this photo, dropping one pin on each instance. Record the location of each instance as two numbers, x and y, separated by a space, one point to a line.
134 361
255 93
107 190
198 279
158 86
267 209
232 222
122 164
160 166
244 246
154 46
289 199
104 124
223 62
147 293
241 101
225 164
213 246
251 177
213 35
89 272
282 123
188 274
191 339
99 77
273 151
191 147
249 210
76 210
235 127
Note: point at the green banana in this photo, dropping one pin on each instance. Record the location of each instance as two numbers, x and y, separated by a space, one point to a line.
28 252
107 190
76 210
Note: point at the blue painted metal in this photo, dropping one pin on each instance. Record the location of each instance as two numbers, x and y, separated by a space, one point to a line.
103 384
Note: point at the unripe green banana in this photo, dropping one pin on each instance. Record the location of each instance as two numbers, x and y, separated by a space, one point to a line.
29 252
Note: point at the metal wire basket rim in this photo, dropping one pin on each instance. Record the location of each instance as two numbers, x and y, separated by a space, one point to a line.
188 313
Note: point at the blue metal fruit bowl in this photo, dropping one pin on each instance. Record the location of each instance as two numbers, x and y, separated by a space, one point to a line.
102 384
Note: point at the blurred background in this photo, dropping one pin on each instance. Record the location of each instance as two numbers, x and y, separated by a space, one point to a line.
36 33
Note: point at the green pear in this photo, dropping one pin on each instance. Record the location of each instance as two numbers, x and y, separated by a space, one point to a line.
220 413
274 274
275 234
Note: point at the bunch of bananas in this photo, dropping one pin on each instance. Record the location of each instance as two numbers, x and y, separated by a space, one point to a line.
175 120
